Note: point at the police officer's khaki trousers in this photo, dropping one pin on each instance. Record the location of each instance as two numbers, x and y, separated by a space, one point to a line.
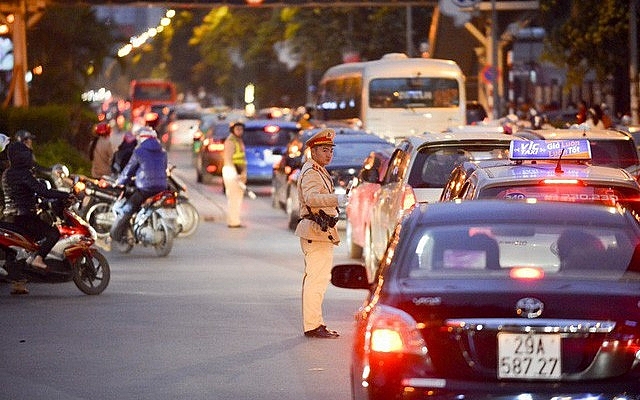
318 260
235 195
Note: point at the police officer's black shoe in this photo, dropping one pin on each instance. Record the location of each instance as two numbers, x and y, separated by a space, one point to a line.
322 332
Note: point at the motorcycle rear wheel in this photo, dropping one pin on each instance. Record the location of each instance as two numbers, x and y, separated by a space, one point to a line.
163 248
92 273
188 218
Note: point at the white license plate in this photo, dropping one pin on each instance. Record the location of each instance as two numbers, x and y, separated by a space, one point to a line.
529 356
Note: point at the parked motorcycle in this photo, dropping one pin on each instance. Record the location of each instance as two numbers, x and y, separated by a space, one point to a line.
188 216
73 258
154 225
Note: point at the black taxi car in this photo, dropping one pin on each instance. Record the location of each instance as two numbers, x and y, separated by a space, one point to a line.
539 169
495 299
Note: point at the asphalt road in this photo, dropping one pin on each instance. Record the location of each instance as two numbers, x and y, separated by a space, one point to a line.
219 318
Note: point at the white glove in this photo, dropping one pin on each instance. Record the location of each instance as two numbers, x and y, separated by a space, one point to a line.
343 199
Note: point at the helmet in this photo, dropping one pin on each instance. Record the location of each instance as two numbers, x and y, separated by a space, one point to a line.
234 124
103 129
23 135
146 132
4 141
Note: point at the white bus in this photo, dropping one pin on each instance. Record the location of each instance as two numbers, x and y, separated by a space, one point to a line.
395 96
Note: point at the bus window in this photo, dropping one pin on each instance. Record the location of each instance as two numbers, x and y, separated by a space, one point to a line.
415 92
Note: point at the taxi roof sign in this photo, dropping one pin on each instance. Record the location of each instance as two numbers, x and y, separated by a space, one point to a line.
572 149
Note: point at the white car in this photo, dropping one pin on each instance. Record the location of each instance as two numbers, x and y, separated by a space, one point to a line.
417 172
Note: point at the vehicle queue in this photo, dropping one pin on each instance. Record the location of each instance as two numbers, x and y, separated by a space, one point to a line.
468 297
517 276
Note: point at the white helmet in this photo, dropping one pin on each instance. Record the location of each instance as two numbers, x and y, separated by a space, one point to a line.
145 133
4 141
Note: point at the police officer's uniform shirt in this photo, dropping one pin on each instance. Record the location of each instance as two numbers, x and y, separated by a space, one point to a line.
315 189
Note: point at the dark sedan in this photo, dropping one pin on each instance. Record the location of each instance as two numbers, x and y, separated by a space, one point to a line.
492 299
352 148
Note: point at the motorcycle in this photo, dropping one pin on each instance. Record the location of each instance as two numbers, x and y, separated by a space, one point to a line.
188 216
155 224
73 258
99 195
97 198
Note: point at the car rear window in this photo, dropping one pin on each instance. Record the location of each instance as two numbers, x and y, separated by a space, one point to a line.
261 137
558 250
607 195
433 165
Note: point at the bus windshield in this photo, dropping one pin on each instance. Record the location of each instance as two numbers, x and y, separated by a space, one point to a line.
413 92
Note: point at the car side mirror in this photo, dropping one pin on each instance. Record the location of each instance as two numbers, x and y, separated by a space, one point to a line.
350 276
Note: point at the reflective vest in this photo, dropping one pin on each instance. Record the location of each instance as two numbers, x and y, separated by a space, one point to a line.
239 157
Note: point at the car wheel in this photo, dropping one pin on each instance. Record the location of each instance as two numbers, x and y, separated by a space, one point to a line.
355 251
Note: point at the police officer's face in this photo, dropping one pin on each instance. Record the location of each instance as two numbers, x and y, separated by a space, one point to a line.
322 154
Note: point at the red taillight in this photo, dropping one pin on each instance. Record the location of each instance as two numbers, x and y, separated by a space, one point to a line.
169 201
272 129
173 127
561 181
215 147
393 331
526 273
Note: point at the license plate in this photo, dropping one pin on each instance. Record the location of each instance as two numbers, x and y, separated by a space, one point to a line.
529 356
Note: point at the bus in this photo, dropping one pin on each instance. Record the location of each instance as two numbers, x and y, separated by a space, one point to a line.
393 97
153 94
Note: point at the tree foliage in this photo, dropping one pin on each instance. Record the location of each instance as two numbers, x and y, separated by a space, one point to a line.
587 35
242 45
70 45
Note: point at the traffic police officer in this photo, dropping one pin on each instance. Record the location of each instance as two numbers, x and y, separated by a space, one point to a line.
234 173
317 231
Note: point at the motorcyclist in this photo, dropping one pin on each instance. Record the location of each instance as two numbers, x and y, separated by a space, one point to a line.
22 191
148 165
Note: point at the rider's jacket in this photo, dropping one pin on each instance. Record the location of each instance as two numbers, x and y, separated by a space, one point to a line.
20 186
148 164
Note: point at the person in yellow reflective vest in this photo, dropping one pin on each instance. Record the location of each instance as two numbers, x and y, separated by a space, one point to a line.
234 174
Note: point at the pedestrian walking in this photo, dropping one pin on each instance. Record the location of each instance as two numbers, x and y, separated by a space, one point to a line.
317 231
101 151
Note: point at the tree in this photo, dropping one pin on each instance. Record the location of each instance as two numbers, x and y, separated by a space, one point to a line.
70 46
587 35
238 45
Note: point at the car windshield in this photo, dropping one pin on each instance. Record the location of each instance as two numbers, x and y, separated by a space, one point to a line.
486 249
264 137
432 166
